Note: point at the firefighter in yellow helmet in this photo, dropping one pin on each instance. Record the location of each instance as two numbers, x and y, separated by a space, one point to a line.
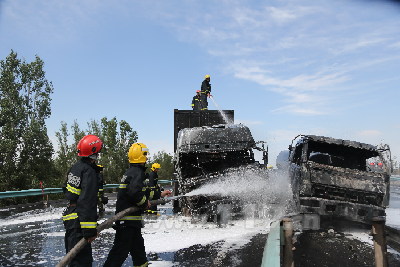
132 192
205 92
154 186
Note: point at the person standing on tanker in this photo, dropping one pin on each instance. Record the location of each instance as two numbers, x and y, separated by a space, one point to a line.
132 192
205 92
196 102
80 216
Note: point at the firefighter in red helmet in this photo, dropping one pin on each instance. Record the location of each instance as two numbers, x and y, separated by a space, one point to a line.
80 216
196 102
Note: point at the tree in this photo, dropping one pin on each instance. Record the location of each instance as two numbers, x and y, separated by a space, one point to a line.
116 136
65 154
25 149
11 120
166 162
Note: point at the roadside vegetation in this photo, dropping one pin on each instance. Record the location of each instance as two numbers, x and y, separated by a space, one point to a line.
27 156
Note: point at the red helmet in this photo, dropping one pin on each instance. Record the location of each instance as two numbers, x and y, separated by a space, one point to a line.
198 91
89 145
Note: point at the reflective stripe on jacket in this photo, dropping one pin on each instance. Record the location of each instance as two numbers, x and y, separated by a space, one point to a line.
205 87
81 189
132 192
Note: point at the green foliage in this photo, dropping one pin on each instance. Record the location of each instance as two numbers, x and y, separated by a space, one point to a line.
25 149
116 136
66 154
167 167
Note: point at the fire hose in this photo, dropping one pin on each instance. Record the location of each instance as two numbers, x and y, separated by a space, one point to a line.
104 225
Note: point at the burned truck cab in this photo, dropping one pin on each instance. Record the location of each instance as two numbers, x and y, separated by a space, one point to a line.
333 177
205 153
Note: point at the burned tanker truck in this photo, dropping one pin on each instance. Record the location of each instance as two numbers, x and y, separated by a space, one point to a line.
334 177
206 152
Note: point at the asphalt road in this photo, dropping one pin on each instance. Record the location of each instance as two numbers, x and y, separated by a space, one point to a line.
33 235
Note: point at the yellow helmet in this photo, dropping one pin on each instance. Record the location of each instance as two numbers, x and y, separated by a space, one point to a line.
155 166
207 76
138 153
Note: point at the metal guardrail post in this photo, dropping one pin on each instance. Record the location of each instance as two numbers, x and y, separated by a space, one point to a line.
287 224
378 233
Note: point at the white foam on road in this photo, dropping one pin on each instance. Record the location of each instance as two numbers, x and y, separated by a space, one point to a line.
179 233
55 234
393 217
361 236
162 263
34 216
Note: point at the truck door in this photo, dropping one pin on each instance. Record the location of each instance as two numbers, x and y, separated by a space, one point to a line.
295 169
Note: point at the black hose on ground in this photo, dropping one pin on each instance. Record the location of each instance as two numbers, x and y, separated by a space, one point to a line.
104 225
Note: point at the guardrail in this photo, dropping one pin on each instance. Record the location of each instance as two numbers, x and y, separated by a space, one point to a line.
272 249
47 191
395 178
278 250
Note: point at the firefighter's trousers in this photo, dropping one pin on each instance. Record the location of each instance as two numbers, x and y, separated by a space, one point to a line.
84 257
204 102
127 240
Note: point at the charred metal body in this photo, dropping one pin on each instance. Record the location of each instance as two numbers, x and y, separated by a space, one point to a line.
206 153
332 177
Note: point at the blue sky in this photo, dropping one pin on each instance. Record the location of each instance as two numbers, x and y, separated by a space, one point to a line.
286 67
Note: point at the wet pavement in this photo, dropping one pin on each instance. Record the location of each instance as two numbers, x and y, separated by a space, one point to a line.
321 249
33 235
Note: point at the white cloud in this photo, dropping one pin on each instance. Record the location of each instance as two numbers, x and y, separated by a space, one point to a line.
50 21
282 15
302 82
281 46
355 45
395 45
295 109
306 93
369 133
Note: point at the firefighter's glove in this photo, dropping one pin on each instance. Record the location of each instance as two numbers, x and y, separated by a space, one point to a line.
166 193
89 234
104 200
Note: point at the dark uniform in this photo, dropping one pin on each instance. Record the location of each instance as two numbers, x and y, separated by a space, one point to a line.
205 90
153 186
80 217
101 199
197 103
128 237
